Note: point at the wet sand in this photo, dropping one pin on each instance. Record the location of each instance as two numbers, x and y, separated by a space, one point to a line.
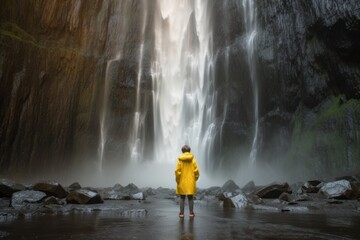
162 222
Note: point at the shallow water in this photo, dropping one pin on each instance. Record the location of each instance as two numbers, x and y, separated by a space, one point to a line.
162 222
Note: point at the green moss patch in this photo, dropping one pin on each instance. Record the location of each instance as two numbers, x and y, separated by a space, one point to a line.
327 141
15 32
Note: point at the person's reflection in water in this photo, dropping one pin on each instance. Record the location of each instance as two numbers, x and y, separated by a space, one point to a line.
186 229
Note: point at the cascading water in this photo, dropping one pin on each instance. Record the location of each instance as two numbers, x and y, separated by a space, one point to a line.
181 73
182 107
177 101
104 112
251 30
122 33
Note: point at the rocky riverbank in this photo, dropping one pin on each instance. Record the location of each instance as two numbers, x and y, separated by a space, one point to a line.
51 198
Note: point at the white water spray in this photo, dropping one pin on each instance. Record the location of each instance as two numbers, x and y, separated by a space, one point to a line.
104 112
251 31
181 70
180 107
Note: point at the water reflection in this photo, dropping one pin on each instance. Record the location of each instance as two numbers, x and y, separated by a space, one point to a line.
163 223
186 229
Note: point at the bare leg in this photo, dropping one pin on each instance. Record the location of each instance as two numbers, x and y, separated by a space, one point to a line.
191 203
182 203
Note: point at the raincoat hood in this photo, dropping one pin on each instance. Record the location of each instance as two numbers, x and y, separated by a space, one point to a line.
186 157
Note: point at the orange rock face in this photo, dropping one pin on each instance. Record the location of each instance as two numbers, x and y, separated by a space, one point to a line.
53 57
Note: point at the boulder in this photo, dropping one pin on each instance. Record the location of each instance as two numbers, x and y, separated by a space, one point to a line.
8 187
296 187
21 198
149 191
209 193
129 192
285 197
238 201
130 189
117 187
119 195
312 186
249 187
138 196
53 200
225 195
341 189
303 197
230 186
51 188
115 195
215 191
253 198
83 196
74 186
273 190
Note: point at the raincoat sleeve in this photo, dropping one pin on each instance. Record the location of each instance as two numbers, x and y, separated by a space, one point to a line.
196 170
178 172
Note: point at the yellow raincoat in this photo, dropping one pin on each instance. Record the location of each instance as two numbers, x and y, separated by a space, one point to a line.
186 174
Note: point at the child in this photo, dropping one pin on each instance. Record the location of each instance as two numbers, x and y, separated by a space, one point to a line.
186 175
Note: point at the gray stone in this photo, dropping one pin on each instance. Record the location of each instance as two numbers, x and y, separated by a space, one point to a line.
285 197
53 200
338 189
303 197
21 198
116 195
138 196
273 190
249 187
117 187
312 186
215 191
8 187
230 186
74 186
255 199
223 196
83 196
130 189
238 201
150 192
51 188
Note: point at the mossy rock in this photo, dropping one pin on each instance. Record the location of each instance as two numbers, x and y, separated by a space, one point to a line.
327 141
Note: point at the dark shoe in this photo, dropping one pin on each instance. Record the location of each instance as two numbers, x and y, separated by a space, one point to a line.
192 214
181 215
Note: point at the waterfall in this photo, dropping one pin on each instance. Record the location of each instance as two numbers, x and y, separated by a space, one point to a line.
120 44
104 112
176 98
182 102
251 31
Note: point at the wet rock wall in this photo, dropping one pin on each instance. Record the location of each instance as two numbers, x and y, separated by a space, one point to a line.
52 67
308 54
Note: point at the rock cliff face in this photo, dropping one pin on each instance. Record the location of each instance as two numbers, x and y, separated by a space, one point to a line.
52 67
57 56
308 58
